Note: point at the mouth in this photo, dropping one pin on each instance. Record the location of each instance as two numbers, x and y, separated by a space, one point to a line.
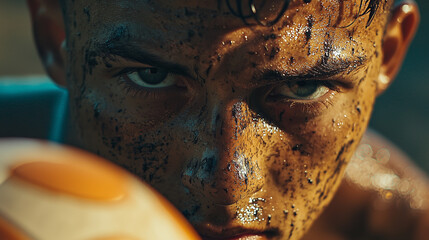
255 236
237 234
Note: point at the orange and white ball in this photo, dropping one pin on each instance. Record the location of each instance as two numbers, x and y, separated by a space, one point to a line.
48 191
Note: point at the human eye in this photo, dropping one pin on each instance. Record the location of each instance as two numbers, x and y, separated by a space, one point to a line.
306 98
151 80
150 77
304 90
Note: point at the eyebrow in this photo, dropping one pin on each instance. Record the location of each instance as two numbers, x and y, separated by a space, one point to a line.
323 69
327 66
130 51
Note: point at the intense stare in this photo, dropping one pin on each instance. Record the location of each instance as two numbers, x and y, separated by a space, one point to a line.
244 114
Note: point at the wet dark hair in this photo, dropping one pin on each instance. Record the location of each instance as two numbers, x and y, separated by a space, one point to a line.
366 7
369 7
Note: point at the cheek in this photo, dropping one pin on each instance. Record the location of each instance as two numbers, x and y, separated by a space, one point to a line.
309 158
108 126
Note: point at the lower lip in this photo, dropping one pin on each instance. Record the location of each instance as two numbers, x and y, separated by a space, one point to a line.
249 237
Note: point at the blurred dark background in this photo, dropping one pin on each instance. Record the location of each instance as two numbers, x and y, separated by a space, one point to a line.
401 114
18 55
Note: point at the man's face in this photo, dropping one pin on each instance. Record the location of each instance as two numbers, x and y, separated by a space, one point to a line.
246 129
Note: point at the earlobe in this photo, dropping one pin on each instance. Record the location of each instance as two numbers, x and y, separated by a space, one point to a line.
399 34
49 36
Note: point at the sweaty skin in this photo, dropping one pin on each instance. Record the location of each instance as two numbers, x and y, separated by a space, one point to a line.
229 155
250 129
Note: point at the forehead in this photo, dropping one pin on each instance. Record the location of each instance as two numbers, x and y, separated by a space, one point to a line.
189 17
332 10
183 29
228 14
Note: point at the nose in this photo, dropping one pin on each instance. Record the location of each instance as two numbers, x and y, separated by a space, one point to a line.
231 169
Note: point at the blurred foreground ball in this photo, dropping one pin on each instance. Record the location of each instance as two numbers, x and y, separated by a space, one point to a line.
54 192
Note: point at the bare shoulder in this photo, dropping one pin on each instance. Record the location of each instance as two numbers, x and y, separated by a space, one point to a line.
383 196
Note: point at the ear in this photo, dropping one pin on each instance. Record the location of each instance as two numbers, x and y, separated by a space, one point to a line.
49 36
399 33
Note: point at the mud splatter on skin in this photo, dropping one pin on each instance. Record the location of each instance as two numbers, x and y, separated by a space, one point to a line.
341 13
310 22
238 113
255 155
274 52
327 188
327 48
